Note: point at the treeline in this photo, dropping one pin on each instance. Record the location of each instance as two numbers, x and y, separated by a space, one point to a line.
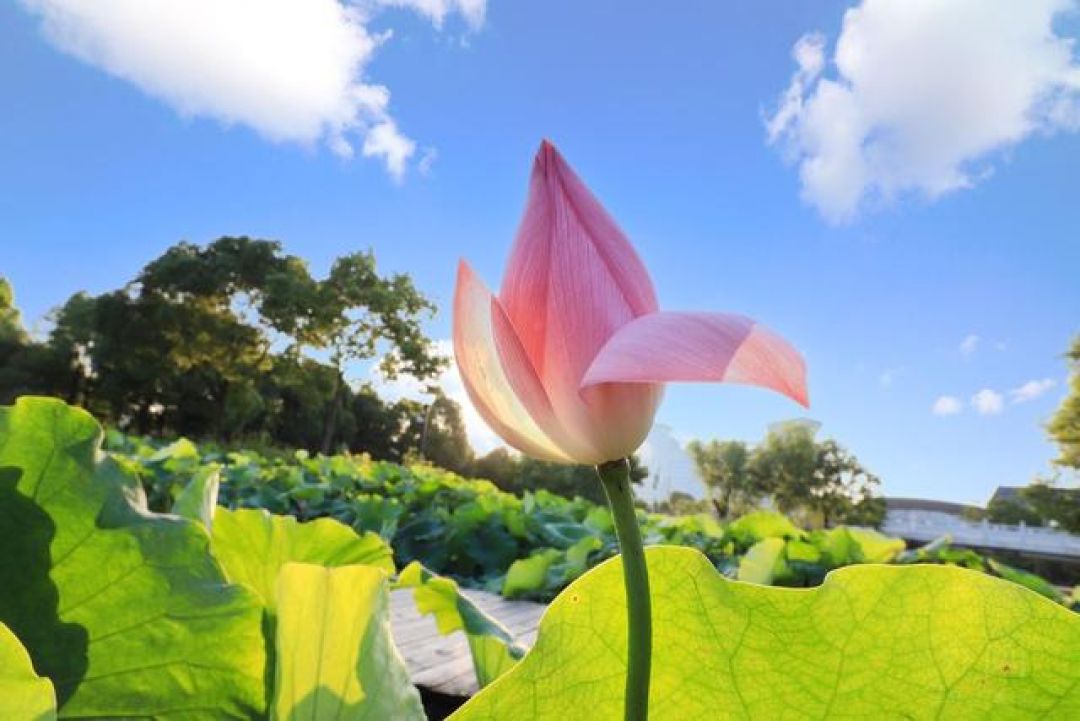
237 340
819 482
238 343
1046 501
1040 504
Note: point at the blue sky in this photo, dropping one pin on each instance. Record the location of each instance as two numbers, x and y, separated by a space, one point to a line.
898 208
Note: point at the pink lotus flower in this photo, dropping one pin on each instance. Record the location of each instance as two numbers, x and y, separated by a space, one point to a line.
569 362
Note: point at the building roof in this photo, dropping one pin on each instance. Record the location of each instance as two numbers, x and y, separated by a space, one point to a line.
1006 493
893 503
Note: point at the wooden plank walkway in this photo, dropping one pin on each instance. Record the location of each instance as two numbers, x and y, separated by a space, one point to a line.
444 663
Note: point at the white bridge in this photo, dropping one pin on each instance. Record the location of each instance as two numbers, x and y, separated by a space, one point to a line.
925 526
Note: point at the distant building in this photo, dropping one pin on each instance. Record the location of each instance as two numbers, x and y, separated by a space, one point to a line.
920 520
1006 493
925 505
670 468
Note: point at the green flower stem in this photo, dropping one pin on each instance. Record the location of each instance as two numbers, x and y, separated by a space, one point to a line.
615 475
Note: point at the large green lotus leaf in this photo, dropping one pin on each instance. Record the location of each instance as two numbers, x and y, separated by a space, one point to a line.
253 545
844 545
763 562
336 657
575 561
872 642
179 451
24 695
797 550
759 525
877 547
198 499
494 651
1037 584
124 610
529 574
838 546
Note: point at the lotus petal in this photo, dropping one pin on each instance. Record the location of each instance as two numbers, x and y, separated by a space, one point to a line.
479 323
573 279
666 346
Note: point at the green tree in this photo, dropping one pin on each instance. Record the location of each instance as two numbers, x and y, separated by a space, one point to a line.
362 315
237 338
373 425
515 473
1039 504
500 466
1054 503
784 465
250 285
682 504
436 432
1014 512
820 481
844 491
20 357
724 467
11 328
567 480
155 362
1065 425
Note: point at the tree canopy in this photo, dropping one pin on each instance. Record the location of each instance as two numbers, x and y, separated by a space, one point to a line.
239 339
724 467
11 329
819 480
1065 426
1041 503
17 355
516 474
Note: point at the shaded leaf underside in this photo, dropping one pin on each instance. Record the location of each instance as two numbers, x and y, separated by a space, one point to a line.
493 649
124 610
253 545
336 658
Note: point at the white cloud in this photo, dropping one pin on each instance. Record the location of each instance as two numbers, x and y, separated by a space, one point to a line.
384 141
480 436
427 160
969 345
988 402
437 10
1031 390
947 406
809 56
922 94
293 71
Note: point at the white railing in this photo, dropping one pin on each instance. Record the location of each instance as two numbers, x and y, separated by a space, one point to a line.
925 526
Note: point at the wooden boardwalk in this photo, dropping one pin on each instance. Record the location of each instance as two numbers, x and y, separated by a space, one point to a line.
443 663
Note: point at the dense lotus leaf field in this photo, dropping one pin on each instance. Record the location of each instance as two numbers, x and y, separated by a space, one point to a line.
274 603
110 610
531 546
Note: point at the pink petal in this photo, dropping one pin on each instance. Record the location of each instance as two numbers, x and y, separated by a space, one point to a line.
662 347
573 280
570 260
495 370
